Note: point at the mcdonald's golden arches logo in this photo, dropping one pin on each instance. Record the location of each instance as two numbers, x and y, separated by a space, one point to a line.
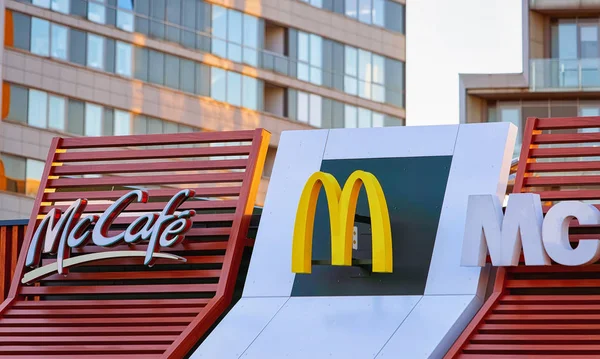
342 209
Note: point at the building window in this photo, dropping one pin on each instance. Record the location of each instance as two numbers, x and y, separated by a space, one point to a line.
58 43
97 11
40 39
56 113
350 114
315 3
41 3
234 35
309 109
250 91
93 120
351 70
351 8
95 51
19 98
364 74
513 115
379 13
217 84
20 175
124 59
122 125
38 109
125 15
234 88
310 58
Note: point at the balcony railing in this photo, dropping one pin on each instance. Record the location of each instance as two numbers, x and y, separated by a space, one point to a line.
565 74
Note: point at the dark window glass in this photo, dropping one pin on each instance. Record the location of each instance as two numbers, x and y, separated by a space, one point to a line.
174 11
79 8
77 48
394 16
202 80
140 125
172 71
141 63
203 17
109 59
338 65
111 16
173 33
188 39
157 29
154 126
394 82
338 6
22 28
157 9
328 63
392 121
292 100
189 14
142 7
108 123
157 64
203 42
337 115
17 110
142 25
326 110
75 117
187 75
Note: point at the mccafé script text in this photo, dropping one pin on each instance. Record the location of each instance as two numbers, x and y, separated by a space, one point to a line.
59 232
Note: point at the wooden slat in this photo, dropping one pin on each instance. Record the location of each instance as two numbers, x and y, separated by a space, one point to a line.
533 348
87 356
146 274
178 320
87 348
540 328
553 283
539 308
544 318
140 260
152 154
563 166
562 180
92 313
535 338
184 246
147 140
55 331
105 339
146 180
564 152
152 193
120 289
198 218
557 123
149 167
567 138
569 195
108 303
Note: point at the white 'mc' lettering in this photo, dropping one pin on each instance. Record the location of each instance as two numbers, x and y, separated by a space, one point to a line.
487 229
556 233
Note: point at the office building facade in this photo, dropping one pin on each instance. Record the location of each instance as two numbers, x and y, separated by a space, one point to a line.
123 67
561 69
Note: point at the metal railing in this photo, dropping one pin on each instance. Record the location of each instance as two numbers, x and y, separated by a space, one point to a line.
564 74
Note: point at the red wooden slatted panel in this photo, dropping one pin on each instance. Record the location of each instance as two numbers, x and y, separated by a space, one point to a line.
104 302
546 312
152 154
11 239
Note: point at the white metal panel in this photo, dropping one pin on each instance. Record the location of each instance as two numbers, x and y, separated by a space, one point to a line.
384 142
432 327
299 155
480 165
239 328
332 327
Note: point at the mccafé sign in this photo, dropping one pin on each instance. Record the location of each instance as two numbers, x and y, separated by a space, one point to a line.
59 232
523 225
342 210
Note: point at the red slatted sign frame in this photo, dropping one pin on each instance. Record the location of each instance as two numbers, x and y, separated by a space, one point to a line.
550 311
118 307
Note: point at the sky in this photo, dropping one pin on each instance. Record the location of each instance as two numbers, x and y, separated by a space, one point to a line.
448 37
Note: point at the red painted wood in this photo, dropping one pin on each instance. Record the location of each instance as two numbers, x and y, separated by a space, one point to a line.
119 318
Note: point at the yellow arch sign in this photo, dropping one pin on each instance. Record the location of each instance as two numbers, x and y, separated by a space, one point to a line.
342 209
